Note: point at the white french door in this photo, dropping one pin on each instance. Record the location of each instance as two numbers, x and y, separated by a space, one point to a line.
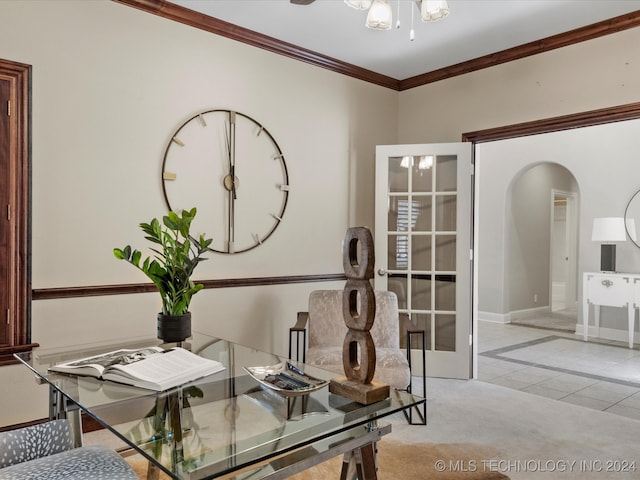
423 246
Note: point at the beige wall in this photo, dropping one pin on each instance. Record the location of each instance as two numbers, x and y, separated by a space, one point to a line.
595 74
111 83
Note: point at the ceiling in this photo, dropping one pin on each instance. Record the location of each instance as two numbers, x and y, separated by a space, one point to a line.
473 29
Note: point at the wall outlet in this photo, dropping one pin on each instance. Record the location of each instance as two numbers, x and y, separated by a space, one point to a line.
535 298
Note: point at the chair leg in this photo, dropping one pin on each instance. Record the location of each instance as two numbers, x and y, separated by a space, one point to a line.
298 333
421 410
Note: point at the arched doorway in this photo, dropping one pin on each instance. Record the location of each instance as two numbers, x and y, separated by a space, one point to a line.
541 247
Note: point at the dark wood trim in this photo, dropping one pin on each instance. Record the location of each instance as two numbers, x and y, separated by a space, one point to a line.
15 426
6 353
186 16
18 348
630 111
89 424
17 255
198 20
606 27
102 290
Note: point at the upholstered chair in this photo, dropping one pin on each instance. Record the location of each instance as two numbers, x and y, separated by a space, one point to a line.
323 328
45 451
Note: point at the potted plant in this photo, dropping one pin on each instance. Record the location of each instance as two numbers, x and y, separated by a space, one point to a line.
176 256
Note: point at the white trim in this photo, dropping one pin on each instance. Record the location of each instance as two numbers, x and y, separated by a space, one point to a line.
529 312
494 317
515 315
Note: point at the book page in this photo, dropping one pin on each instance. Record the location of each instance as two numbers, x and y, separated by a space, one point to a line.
97 364
165 370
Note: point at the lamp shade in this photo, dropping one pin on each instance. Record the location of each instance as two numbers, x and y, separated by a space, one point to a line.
432 10
359 4
609 230
380 15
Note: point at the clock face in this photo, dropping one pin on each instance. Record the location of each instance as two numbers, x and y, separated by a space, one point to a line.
231 169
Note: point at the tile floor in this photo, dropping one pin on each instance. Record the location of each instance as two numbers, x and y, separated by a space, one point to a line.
603 375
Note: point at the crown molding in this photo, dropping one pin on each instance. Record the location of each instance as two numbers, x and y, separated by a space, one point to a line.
589 32
198 20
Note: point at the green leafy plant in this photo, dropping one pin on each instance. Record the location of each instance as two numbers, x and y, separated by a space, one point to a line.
174 261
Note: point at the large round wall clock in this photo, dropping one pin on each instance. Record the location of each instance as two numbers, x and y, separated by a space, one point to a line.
231 169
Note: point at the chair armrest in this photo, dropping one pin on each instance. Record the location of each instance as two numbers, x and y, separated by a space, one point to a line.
405 323
301 323
300 328
408 329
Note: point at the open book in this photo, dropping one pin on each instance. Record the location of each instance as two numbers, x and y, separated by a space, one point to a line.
151 367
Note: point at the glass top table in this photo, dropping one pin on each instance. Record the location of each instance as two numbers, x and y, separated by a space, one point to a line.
224 424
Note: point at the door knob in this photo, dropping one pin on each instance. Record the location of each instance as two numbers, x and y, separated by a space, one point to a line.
382 272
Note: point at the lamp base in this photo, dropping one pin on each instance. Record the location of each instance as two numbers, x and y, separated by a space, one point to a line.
608 258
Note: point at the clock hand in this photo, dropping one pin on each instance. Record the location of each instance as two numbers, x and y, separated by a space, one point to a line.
229 180
232 173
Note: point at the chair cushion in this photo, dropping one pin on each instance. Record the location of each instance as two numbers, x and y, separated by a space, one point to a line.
86 463
327 331
35 441
392 367
326 321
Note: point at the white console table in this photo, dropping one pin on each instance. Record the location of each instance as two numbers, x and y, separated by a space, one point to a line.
611 290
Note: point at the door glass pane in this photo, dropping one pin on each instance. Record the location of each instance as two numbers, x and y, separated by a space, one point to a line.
446 249
422 321
398 252
422 173
446 173
398 174
398 215
445 286
420 292
397 283
445 335
421 213
446 213
421 252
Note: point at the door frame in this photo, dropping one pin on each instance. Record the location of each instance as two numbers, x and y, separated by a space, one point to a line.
570 248
16 216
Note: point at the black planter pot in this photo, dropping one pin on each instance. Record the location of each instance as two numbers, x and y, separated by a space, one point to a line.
174 328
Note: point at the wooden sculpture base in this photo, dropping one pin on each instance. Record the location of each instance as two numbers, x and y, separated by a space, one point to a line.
362 393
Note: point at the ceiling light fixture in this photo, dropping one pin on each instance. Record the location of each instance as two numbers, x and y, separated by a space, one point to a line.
432 10
359 4
380 15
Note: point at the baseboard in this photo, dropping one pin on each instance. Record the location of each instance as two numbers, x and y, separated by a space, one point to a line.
516 314
529 312
494 317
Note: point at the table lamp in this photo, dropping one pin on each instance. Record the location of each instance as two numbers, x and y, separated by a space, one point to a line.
608 231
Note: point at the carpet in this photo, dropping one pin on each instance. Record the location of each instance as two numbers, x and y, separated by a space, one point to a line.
460 461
